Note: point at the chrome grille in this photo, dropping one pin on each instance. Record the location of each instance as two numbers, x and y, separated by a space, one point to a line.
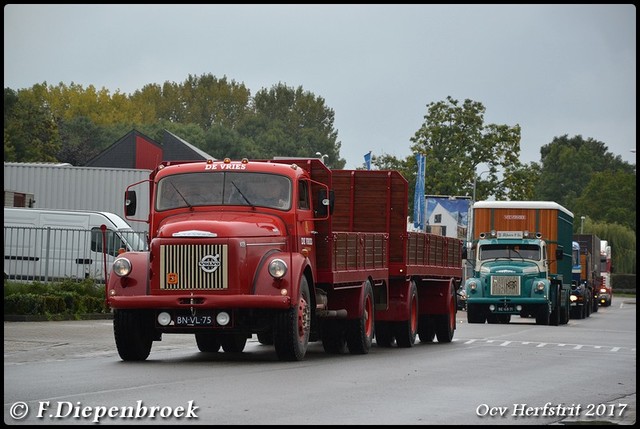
505 285
194 267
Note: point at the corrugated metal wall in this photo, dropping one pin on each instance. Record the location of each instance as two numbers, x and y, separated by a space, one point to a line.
62 186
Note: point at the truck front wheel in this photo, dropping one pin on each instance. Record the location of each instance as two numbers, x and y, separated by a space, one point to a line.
133 332
543 315
476 313
292 327
207 342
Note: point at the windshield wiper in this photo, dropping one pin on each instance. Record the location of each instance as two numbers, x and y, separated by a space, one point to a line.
241 194
181 196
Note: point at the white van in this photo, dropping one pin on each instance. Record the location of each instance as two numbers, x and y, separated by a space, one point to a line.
51 244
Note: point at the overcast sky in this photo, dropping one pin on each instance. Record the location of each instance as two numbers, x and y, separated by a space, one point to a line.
552 69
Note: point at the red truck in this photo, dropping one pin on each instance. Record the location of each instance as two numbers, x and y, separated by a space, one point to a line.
284 249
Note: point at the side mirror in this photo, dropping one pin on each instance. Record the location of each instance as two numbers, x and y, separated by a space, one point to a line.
325 203
464 252
130 203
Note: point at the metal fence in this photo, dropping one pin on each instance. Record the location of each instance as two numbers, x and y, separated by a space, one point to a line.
54 254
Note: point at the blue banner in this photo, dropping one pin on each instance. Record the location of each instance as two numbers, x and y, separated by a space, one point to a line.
418 196
367 160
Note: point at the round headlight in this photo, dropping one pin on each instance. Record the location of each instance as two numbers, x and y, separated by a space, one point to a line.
277 268
122 267
573 298
539 286
164 318
223 318
472 285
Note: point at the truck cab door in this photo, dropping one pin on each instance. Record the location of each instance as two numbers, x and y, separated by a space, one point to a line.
305 225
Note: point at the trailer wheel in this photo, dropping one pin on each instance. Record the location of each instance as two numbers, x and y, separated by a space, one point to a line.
406 330
384 334
446 323
426 329
233 343
133 332
291 335
360 332
333 340
207 342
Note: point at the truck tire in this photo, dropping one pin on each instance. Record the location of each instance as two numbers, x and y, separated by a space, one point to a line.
543 315
360 332
504 318
333 340
233 343
266 338
207 342
476 314
133 332
293 326
426 329
406 330
384 334
446 323
554 317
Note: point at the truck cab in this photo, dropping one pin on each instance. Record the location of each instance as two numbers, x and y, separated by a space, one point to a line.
510 277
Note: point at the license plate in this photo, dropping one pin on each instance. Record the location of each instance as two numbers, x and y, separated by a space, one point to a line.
199 319
505 309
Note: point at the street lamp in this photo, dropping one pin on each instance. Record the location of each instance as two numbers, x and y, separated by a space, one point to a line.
321 156
475 179
470 230
582 224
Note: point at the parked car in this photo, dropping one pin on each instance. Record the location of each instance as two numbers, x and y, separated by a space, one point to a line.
462 298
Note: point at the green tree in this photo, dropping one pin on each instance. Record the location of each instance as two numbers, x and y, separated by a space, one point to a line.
81 140
294 122
622 241
608 197
456 141
567 165
30 132
210 101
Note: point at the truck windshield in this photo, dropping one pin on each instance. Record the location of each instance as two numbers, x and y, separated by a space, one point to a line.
524 251
223 188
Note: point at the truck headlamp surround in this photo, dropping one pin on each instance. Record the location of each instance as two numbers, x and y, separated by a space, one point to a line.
277 268
122 267
472 285
539 286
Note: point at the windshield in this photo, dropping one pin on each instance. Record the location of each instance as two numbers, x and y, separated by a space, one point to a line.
524 251
223 188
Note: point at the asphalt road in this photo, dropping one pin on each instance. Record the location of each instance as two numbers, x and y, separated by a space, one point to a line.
487 370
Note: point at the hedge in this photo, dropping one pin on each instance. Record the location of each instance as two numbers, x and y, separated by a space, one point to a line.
69 298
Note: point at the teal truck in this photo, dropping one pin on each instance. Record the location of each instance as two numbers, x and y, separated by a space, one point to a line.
522 262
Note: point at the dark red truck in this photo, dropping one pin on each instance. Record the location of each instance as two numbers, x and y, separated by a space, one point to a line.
286 250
